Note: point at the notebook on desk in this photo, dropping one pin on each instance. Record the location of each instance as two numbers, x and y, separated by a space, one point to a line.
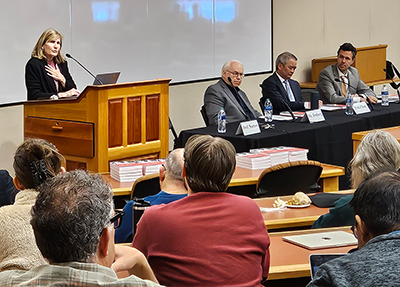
322 240
106 78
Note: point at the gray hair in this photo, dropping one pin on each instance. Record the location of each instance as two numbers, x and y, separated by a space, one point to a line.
174 164
284 58
228 64
69 216
378 151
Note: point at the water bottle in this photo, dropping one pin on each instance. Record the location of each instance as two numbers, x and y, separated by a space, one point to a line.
385 96
221 121
349 105
268 110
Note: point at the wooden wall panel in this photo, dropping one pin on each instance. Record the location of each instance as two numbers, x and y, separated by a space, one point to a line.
115 127
152 117
134 120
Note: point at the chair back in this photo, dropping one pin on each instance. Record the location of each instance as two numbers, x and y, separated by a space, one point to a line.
288 178
146 185
204 115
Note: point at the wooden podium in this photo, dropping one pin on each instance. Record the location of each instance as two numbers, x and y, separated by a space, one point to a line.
105 123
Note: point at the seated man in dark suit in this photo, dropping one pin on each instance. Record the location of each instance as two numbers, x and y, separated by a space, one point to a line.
336 81
226 94
280 84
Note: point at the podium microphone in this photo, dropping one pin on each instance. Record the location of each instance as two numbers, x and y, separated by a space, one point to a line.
366 97
97 79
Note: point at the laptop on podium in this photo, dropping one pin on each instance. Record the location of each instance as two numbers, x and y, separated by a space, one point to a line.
106 78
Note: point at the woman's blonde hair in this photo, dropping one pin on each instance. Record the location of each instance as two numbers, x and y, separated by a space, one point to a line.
48 35
378 151
36 160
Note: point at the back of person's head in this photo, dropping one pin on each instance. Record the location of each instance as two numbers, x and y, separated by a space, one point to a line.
283 58
69 216
209 163
376 202
174 164
377 152
348 47
35 161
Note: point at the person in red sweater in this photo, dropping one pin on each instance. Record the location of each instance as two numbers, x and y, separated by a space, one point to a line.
209 238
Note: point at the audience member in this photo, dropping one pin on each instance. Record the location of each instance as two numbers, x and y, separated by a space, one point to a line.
226 94
73 220
35 161
336 81
172 188
7 189
378 151
209 238
280 84
377 227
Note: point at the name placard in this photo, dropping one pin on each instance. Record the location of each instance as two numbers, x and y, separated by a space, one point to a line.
313 116
248 128
361 108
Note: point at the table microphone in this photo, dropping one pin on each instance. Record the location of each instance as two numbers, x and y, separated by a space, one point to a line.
97 79
366 97
237 94
284 102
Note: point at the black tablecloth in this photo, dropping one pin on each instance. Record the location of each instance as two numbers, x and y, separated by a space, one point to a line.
328 142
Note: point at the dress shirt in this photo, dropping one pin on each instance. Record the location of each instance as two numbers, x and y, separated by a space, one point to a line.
290 93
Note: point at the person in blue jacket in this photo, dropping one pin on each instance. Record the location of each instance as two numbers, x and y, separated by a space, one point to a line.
172 188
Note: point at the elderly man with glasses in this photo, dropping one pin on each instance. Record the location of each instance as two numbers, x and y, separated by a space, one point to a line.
73 220
227 95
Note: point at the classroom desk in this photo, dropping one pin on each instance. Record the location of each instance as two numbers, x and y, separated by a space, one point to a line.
329 179
291 217
291 261
357 137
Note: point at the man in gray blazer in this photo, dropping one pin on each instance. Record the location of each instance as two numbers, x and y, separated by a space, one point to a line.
227 95
330 79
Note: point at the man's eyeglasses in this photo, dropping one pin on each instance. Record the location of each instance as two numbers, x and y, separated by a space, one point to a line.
353 228
117 218
236 74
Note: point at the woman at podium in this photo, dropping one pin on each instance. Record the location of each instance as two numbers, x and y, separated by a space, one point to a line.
46 73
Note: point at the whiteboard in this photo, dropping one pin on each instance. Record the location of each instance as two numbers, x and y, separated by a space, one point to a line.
186 40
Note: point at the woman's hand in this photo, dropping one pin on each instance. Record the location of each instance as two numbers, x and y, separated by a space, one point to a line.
70 93
55 74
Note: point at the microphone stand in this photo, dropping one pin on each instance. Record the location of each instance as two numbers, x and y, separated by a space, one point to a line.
237 94
366 97
284 102
397 86
97 79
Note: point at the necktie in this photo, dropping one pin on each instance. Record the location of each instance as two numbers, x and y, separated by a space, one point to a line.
289 92
344 88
